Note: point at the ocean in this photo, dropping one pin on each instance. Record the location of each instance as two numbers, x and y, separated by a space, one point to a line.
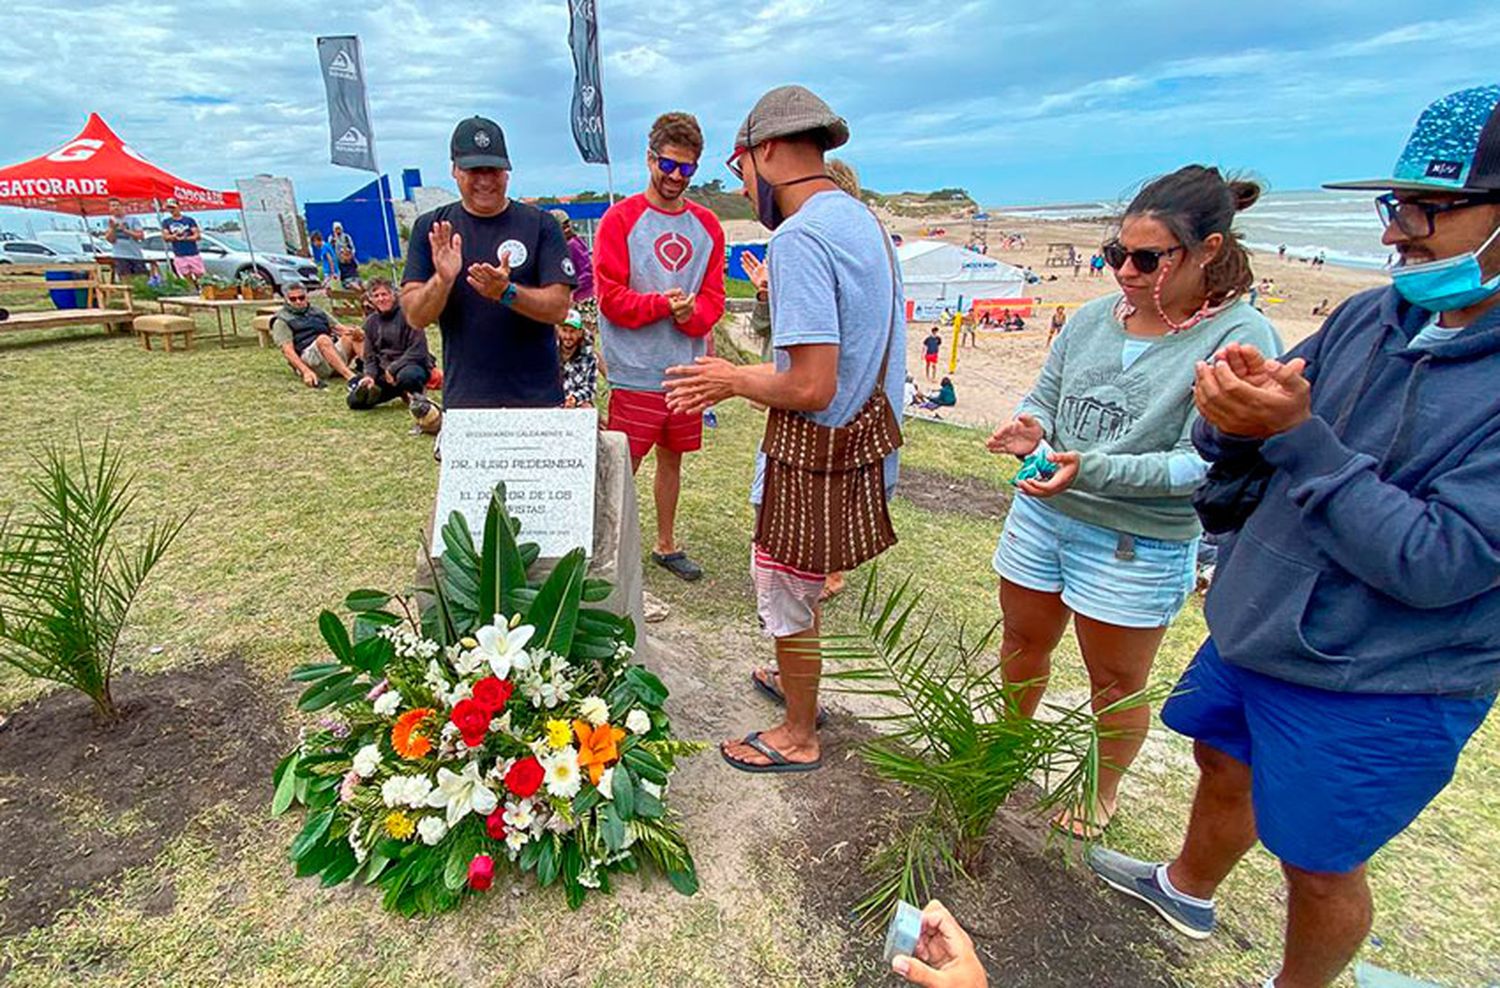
1341 225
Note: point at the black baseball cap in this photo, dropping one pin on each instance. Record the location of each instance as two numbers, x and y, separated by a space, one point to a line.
479 143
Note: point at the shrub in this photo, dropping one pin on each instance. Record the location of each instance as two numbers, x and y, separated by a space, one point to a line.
952 731
66 581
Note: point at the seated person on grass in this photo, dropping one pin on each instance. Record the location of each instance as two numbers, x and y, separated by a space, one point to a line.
349 269
944 397
313 343
397 363
580 368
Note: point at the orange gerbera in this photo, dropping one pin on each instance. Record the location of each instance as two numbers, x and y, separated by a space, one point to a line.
596 747
406 736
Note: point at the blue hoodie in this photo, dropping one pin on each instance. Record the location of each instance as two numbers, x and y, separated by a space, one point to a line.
1372 565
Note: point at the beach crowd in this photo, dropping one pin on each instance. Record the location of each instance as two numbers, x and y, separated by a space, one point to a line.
1349 483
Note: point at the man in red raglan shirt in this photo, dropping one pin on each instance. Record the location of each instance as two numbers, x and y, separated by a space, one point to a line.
659 278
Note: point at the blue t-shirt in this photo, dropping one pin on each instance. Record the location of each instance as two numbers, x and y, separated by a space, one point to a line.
832 281
177 227
328 260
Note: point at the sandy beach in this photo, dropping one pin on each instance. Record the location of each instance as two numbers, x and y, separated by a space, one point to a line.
992 378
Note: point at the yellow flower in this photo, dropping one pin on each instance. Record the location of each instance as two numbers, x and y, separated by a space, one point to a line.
559 733
399 825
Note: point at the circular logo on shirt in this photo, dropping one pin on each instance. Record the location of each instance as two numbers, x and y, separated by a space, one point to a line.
515 251
481 139
568 268
674 251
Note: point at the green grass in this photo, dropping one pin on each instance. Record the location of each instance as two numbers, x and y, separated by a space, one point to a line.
297 500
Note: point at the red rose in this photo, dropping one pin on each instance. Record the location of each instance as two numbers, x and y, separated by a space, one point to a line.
493 694
495 824
481 872
472 720
525 777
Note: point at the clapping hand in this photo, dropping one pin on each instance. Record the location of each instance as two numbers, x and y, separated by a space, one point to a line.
1266 400
682 304
756 271
1062 478
696 387
1018 437
447 250
1247 363
491 280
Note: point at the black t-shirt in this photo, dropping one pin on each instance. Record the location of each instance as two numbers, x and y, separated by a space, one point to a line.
932 343
494 357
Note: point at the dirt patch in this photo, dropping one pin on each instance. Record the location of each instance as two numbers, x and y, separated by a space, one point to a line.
81 803
1035 919
934 491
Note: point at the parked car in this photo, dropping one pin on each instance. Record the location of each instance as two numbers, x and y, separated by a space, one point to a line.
76 242
35 252
226 257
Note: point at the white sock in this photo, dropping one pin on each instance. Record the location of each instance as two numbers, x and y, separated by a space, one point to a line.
1183 897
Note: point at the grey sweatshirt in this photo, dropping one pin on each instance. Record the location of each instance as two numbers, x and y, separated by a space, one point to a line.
1126 404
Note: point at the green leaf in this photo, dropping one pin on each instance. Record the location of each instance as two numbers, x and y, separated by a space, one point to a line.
647 806
546 862
285 778
316 670
340 868
646 765
501 562
554 614
325 692
649 689
373 654
623 789
529 552
585 801
318 858
312 832
684 880
595 590
612 827
366 600
368 624
337 637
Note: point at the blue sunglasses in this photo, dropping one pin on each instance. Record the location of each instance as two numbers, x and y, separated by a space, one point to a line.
670 165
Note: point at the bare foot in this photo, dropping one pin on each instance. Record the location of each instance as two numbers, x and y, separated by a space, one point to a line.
780 738
832 587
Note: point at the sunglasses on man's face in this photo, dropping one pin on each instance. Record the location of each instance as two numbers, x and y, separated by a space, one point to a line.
670 165
1145 259
733 164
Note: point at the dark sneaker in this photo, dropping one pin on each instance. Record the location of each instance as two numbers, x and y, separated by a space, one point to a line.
1138 879
360 392
679 565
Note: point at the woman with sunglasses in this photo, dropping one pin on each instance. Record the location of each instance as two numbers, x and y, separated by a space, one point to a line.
1108 536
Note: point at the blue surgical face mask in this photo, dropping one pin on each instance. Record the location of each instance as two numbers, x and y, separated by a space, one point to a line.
1449 284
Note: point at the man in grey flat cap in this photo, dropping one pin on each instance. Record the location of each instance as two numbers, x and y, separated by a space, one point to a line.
838 330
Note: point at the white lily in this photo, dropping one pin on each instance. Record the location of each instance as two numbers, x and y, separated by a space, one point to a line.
502 647
462 793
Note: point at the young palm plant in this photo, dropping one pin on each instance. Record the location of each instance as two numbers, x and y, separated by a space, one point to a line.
950 728
66 581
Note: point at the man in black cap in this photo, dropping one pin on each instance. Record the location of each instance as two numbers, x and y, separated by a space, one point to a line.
495 275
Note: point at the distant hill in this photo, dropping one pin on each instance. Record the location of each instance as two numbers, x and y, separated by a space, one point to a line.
728 204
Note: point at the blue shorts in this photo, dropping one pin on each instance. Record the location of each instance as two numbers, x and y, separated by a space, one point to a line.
1333 776
1045 550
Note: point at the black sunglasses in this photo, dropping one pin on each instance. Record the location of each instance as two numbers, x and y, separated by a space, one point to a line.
670 165
1416 218
1145 259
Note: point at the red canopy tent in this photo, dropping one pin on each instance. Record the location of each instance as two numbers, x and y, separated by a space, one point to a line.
81 176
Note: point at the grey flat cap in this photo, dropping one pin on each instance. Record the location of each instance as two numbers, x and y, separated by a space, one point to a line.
788 110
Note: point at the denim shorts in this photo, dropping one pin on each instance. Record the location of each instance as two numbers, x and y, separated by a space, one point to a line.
1045 550
1333 776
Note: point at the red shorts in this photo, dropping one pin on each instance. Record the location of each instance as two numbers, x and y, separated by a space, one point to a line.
931 358
646 421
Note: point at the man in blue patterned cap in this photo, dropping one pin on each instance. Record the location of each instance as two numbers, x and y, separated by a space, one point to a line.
1354 617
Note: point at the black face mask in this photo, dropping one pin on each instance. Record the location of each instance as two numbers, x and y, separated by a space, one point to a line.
766 209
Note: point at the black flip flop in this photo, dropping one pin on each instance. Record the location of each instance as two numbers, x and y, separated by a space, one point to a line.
679 565
774 692
779 764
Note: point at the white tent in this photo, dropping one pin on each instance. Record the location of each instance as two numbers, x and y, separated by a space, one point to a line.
936 274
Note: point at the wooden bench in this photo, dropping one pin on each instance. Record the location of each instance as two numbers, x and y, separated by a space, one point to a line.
101 307
262 324
166 327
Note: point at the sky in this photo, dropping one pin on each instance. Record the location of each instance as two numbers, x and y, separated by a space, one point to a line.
1019 102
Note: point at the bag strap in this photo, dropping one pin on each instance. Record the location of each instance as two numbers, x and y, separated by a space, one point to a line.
890 335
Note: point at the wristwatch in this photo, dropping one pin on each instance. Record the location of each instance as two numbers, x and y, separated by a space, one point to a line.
508 297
